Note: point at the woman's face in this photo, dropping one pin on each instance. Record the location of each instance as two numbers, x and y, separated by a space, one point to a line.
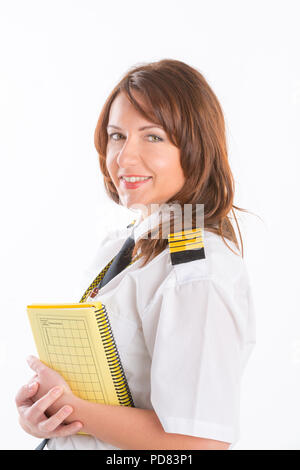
133 151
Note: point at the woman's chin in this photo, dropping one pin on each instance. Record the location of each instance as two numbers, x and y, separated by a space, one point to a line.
131 202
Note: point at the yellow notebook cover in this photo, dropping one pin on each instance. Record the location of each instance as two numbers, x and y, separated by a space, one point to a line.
77 341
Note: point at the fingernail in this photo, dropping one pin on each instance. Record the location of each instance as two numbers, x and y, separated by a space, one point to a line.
32 385
56 391
68 409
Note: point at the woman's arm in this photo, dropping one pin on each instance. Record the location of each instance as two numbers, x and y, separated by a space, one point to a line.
121 426
133 428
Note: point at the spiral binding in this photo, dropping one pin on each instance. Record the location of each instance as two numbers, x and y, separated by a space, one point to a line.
113 358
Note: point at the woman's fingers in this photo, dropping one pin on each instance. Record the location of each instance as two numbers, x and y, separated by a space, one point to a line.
32 407
23 397
32 415
34 378
40 406
51 424
35 364
67 429
64 430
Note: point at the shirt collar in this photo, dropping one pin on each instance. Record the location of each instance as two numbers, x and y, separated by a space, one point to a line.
142 226
152 221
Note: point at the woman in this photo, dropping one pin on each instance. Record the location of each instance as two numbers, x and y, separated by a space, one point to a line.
181 311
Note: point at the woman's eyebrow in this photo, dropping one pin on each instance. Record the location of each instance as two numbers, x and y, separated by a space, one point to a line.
140 129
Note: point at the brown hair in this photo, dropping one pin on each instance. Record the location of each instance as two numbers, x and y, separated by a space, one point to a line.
178 97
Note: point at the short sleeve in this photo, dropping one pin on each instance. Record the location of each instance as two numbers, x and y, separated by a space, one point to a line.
197 360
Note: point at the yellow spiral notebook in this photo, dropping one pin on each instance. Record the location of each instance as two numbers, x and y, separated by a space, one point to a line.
76 340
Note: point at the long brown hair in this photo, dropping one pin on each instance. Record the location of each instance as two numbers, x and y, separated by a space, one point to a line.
178 97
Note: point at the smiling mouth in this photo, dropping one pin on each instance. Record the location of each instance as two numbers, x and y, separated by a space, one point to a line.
135 183
133 179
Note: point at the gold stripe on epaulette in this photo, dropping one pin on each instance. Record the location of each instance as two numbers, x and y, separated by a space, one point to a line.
185 233
186 245
189 240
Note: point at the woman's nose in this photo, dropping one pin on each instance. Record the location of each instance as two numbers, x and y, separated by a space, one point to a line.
129 154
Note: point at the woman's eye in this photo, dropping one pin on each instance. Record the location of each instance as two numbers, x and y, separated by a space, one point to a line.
111 135
159 138
150 135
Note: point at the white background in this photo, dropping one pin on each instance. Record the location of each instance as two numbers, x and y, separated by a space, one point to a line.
59 61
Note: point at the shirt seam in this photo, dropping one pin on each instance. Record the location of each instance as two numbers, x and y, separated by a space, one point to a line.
172 286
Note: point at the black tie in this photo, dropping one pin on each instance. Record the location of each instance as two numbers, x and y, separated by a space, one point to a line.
120 262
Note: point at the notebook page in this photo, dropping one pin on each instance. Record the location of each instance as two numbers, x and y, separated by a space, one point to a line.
68 341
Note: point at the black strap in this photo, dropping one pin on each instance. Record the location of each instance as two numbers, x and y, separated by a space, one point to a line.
42 445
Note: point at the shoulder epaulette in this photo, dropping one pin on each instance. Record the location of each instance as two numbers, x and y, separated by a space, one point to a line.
131 224
186 245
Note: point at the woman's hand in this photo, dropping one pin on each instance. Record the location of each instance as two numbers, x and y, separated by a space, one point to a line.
33 419
37 401
48 378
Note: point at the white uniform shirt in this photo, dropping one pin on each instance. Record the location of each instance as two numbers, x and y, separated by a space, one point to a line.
184 334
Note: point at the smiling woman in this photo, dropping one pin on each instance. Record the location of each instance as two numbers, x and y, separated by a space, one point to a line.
155 161
186 156
180 306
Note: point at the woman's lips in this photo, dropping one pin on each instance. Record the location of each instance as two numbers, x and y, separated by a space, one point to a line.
137 184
